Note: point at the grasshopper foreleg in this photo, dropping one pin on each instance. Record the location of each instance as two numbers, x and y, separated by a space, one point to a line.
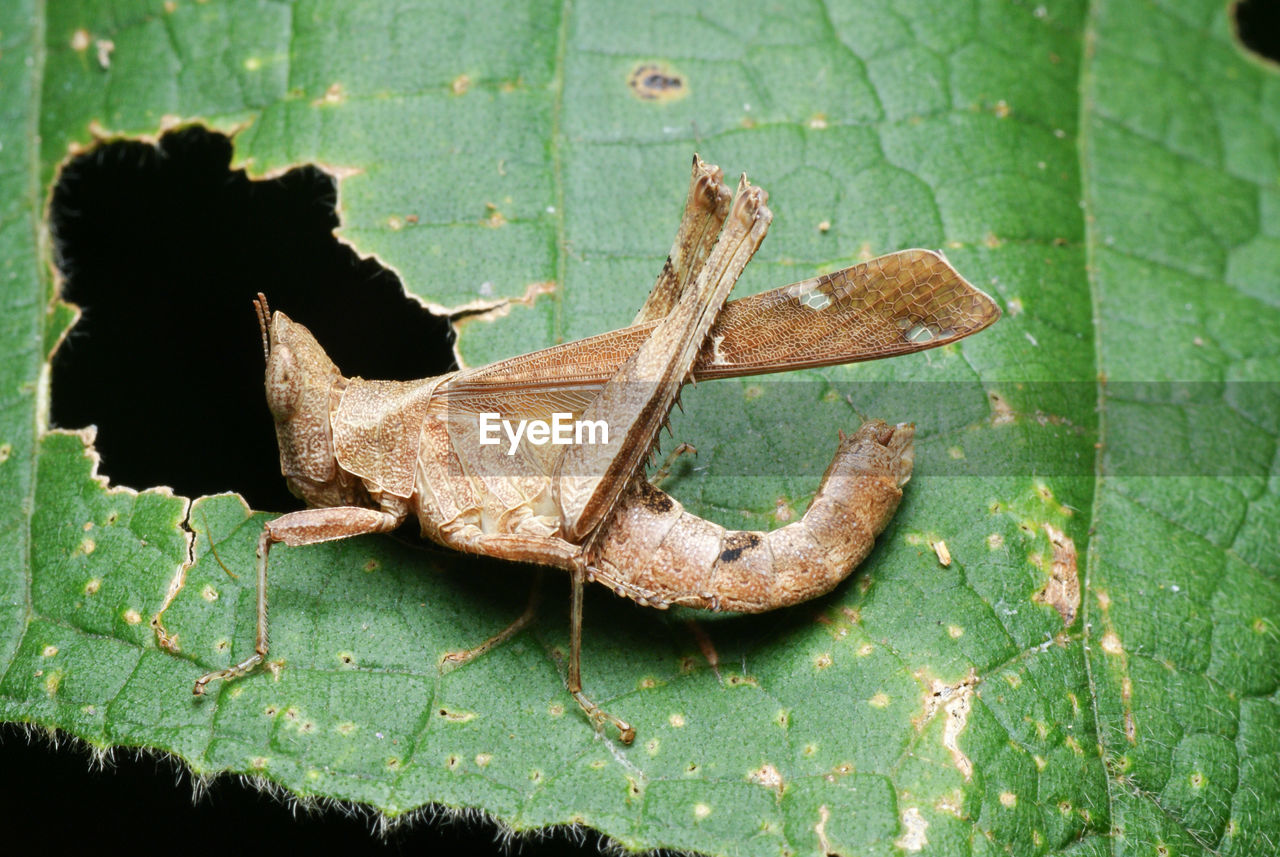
308 527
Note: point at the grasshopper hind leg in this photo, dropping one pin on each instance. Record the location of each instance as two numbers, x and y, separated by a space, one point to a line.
597 715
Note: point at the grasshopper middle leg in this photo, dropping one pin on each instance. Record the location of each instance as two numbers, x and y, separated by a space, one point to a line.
466 656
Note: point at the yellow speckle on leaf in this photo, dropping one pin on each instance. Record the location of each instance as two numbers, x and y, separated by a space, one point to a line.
208 593
955 632
132 617
1008 800
454 715
818 121
49 651
460 84
822 661
768 776
80 40
252 64
914 826
880 700
676 720
701 811
332 95
483 759
1111 644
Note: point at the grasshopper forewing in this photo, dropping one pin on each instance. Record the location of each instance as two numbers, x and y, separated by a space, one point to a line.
365 455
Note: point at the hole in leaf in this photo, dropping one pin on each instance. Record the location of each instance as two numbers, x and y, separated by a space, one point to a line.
1258 26
163 247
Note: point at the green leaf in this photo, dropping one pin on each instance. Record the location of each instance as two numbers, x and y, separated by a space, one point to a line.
1109 172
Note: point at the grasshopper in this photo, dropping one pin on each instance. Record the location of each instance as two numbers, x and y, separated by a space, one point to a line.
365 455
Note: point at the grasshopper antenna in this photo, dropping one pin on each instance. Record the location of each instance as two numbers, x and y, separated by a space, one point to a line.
264 318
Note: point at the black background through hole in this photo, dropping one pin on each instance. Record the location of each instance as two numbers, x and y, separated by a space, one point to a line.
1258 24
163 248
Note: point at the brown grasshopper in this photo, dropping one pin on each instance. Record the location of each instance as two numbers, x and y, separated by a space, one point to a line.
365 455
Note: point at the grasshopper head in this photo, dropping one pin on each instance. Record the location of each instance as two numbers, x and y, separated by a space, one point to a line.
300 377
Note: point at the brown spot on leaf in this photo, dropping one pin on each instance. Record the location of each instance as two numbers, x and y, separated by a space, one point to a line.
824 815
652 81
1062 592
956 700
1001 412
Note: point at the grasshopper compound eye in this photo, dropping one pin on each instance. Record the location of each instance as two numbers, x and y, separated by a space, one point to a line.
283 382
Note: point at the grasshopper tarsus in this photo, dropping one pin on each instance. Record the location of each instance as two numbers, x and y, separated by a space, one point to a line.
664 472
241 669
599 718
